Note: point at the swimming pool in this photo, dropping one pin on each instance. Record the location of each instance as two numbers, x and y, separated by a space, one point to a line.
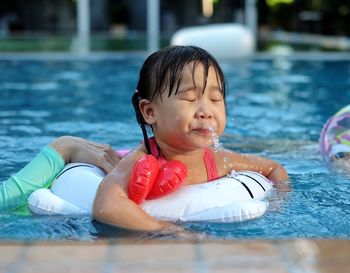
276 108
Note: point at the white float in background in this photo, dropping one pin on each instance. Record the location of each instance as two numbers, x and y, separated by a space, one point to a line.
223 41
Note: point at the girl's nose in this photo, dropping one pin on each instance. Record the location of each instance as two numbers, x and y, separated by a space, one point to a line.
204 113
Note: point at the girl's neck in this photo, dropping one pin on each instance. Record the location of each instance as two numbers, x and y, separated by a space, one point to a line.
170 152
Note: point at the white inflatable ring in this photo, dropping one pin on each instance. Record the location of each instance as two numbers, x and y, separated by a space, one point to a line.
240 197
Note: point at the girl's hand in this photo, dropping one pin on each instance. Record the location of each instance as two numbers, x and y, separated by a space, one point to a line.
172 231
76 149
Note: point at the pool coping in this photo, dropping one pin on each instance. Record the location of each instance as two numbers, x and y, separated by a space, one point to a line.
273 256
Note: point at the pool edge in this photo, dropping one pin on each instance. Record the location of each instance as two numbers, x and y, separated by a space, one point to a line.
295 255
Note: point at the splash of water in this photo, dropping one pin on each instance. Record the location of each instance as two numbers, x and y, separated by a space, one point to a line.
232 174
227 163
216 142
218 146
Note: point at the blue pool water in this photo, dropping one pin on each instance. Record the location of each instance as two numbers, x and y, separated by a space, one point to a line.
276 108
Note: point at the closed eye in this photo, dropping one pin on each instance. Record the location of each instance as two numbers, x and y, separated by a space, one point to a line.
189 99
216 97
189 95
217 100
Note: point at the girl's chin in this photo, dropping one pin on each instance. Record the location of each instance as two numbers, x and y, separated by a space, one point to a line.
204 143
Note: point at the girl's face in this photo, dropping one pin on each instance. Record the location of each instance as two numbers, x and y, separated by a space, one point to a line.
189 119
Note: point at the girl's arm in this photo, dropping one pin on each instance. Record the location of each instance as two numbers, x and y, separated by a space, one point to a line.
269 168
76 149
112 205
40 172
240 162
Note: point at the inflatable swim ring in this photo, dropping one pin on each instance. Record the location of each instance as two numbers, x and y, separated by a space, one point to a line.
238 197
335 135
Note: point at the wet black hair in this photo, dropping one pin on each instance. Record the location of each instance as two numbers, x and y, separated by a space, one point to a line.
162 71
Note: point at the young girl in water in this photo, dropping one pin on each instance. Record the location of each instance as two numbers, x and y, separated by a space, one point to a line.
181 96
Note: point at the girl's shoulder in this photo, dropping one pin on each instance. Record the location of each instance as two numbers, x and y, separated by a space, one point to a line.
225 154
122 171
227 161
136 153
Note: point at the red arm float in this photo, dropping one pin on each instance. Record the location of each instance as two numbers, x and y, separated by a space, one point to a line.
171 176
142 179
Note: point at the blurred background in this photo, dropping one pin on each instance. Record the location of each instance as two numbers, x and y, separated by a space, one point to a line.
119 25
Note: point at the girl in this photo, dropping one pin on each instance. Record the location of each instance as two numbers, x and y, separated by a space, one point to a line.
184 105
181 96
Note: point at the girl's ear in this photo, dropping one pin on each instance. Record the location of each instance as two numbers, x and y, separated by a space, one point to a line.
147 110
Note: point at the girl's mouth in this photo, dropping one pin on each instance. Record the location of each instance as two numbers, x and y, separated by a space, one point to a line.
204 131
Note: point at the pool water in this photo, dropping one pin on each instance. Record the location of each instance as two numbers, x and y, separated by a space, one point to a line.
276 108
